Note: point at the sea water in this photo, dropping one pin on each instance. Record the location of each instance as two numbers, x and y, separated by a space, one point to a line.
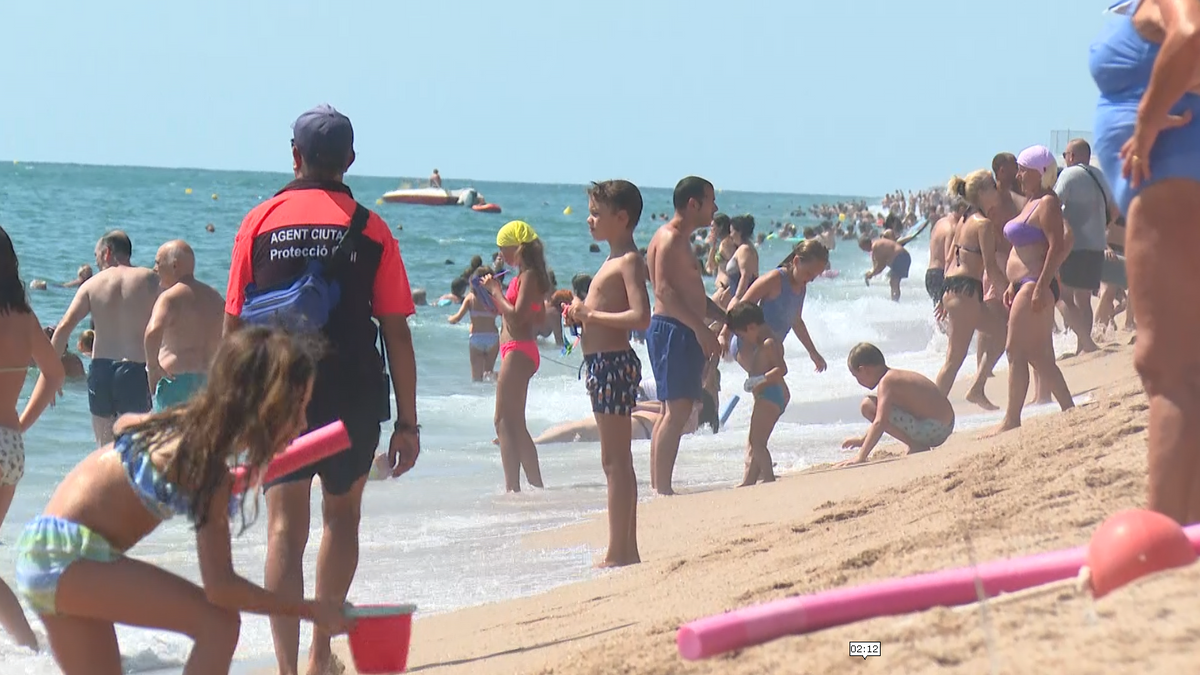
445 535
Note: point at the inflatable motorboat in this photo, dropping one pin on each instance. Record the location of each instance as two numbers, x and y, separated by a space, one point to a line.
433 196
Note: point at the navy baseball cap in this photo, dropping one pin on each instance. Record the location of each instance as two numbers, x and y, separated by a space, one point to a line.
324 136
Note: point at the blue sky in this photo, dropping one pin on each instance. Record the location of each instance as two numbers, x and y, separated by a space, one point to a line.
844 97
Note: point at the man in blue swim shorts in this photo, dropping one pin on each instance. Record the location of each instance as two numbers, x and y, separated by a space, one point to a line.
119 297
679 340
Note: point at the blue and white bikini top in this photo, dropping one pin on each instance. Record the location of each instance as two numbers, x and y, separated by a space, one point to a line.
162 498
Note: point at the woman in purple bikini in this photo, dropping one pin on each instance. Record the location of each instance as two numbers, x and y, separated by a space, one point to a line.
1039 245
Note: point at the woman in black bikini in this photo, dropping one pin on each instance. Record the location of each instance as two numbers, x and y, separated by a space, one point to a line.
972 251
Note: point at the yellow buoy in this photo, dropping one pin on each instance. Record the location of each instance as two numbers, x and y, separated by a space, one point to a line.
378 201
214 196
15 162
567 211
187 191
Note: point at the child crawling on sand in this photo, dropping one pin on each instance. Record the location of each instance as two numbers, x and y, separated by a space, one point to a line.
907 407
761 354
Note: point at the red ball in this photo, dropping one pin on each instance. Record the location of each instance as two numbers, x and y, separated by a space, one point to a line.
1132 544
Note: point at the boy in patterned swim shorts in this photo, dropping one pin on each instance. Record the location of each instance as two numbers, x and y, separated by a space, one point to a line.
908 406
617 302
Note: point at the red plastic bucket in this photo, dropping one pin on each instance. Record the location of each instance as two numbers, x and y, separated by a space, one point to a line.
380 639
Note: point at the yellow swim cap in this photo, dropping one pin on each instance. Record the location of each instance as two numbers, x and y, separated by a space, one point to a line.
515 233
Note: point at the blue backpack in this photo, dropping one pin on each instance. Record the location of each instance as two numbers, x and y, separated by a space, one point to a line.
305 303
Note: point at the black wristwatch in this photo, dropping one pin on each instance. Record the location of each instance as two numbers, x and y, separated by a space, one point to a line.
402 426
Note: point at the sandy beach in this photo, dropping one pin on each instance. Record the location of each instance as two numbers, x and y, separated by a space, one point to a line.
1043 487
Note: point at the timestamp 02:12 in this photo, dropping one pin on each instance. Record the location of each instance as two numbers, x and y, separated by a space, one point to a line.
865 649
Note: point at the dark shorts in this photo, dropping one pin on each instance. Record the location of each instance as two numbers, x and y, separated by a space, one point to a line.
339 472
898 268
117 387
1113 272
613 379
963 285
1082 270
675 358
933 283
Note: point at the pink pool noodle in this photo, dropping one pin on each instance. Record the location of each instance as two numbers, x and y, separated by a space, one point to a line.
309 448
758 624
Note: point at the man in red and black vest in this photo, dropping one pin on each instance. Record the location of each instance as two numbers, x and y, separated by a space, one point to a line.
305 221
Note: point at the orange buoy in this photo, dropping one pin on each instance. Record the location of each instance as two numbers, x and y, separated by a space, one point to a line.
1132 544
486 208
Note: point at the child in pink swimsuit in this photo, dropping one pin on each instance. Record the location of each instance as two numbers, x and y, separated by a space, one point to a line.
522 308
526 347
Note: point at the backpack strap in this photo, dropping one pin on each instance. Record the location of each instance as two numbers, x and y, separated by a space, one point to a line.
344 253
1103 194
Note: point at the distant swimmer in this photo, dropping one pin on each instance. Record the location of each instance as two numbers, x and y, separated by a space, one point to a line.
84 273
435 180
86 339
119 298
184 330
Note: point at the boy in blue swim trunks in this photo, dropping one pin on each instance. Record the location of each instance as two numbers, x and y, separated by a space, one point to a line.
761 354
908 406
616 303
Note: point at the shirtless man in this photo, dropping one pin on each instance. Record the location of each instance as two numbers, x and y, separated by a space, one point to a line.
184 329
616 304
940 238
120 298
993 329
679 341
887 253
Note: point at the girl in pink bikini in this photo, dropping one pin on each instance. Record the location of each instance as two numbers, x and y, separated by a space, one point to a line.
521 307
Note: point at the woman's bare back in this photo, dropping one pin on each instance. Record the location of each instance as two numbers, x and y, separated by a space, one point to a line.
97 495
16 351
966 250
